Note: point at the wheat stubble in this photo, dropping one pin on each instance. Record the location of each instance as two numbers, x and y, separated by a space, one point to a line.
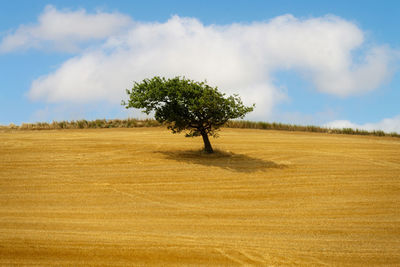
146 197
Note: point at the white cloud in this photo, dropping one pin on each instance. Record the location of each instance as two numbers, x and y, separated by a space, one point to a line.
387 125
64 30
239 58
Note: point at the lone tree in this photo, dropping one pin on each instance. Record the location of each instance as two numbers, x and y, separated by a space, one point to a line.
186 105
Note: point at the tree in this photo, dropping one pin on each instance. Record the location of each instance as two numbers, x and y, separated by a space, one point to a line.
186 105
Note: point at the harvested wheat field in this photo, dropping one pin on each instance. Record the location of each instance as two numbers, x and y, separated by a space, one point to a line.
144 196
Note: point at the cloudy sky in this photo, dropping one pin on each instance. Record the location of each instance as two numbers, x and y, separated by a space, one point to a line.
332 63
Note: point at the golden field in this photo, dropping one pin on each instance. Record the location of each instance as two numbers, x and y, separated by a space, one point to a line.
143 196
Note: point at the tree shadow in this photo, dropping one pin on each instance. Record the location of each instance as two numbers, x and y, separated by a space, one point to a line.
222 159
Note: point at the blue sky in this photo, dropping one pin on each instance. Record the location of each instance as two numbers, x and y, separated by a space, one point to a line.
333 63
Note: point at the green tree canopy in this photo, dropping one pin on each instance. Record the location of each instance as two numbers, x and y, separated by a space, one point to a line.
186 105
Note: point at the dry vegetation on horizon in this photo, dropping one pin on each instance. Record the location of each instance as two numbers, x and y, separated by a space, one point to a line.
143 196
243 124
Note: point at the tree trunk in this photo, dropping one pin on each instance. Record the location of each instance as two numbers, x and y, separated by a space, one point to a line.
207 145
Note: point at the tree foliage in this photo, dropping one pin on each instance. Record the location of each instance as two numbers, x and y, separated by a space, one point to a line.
186 105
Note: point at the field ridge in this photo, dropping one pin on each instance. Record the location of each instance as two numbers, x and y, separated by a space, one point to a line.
244 124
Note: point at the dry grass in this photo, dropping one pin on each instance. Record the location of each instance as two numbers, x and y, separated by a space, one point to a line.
143 196
242 124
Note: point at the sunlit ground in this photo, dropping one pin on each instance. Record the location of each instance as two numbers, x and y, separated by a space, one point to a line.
147 197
